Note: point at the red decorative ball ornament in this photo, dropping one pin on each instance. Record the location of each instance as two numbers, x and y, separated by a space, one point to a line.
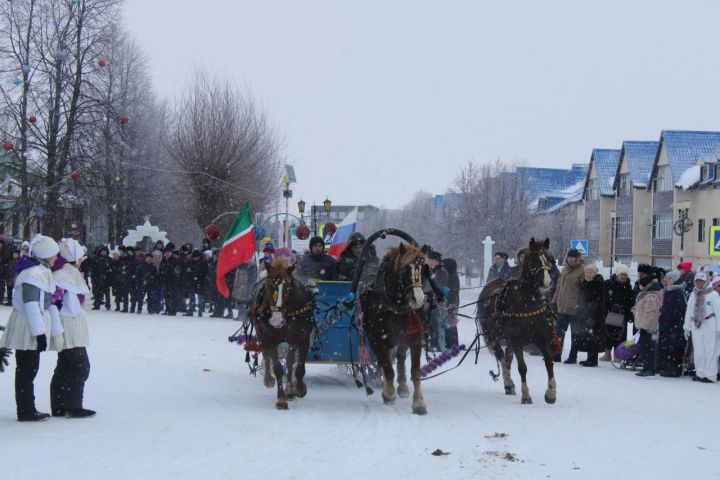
330 228
7 146
75 175
124 119
302 232
102 62
32 119
212 231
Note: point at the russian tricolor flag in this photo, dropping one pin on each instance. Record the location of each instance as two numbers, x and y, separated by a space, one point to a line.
344 230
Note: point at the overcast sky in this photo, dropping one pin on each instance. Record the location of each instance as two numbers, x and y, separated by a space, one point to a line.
379 99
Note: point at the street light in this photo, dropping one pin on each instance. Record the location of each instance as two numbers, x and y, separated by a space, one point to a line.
327 205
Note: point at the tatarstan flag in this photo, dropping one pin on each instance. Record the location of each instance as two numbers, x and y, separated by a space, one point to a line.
238 248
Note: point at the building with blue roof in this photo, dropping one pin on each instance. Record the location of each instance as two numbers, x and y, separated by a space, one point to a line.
632 232
599 202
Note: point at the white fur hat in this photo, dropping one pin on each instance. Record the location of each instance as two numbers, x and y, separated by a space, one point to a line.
622 269
71 250
43 247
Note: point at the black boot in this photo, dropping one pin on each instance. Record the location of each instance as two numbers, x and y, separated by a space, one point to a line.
58 412
32 417
80 413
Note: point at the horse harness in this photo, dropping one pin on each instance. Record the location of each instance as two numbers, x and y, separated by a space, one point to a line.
302 311
397 303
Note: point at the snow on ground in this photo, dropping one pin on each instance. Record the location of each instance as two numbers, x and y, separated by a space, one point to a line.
174 400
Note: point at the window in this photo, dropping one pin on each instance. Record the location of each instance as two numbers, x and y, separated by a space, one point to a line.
664 263
592 190
625 186
701 230
664 179
662 226
707 172
623 227
716 222
624 260
592 228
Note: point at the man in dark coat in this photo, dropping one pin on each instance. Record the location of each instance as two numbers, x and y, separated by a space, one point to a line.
316 264
101 274
588 328
148 283
453 301
671 340
500 270
620 299
198 274
125 277
170 279
351 255
438 310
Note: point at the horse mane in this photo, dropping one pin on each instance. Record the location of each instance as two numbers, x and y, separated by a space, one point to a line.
279 267
401 256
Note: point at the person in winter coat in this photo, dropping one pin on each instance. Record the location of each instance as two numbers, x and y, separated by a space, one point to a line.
73 365
500 270
588 328
647 312
515 270
125 277
438 310
10 274
32 328
671 342
351 255
170 280
198 274
453 301
564 301
620 299
316 264
702 321
101 274
245 279
147 286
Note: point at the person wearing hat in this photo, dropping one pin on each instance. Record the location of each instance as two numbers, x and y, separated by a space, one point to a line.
125 278
170 279
702 321
564 301
101 274
73 365
350 257
500 270
32 327
316 264
647 313
438 310
620 300
198 278
671 341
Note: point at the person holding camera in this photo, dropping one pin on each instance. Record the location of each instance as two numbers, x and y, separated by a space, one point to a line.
32 328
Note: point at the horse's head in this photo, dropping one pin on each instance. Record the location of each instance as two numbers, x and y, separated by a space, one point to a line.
405 271
535 265
278 286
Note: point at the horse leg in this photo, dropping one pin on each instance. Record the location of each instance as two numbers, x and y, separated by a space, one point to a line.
268 378
522 369
300 387
505 358
418 405
281 401
290 363
382 354
402 389
547 353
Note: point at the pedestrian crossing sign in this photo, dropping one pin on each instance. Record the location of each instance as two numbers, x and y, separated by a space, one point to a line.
581 246
715 241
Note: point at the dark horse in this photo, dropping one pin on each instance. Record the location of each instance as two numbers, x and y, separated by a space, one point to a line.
282 312
389 315
516 313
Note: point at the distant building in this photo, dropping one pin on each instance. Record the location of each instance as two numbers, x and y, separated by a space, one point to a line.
599 202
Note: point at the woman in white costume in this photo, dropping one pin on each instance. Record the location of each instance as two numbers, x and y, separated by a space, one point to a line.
31 323
73 366
702 321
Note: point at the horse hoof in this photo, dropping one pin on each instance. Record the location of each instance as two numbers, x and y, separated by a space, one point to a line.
300 392
387 401
269 383
420 410
526 401
549 400
291 397
403 392
281 406
510 390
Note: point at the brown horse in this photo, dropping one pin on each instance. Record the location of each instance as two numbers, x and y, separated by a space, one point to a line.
515 314
389 314
282 312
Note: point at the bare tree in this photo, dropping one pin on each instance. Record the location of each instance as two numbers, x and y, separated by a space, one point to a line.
226 146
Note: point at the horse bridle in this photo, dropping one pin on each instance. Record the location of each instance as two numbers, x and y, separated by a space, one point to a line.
301 311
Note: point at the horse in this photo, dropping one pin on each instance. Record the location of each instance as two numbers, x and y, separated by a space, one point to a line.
282 312
516 313
390 317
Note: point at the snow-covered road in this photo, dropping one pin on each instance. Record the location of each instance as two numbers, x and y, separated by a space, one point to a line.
174 400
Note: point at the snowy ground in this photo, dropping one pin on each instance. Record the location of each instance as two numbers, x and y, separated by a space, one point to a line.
174 400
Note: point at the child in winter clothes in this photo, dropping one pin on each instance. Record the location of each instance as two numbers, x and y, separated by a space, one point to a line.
702 321
73 365
32 327
647 312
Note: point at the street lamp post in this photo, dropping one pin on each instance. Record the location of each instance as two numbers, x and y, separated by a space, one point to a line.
327 207
681 227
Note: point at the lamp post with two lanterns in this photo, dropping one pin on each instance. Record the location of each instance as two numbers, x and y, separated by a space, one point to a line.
327 207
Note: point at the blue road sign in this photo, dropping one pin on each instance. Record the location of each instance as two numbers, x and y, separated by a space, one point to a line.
715 241
581 246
